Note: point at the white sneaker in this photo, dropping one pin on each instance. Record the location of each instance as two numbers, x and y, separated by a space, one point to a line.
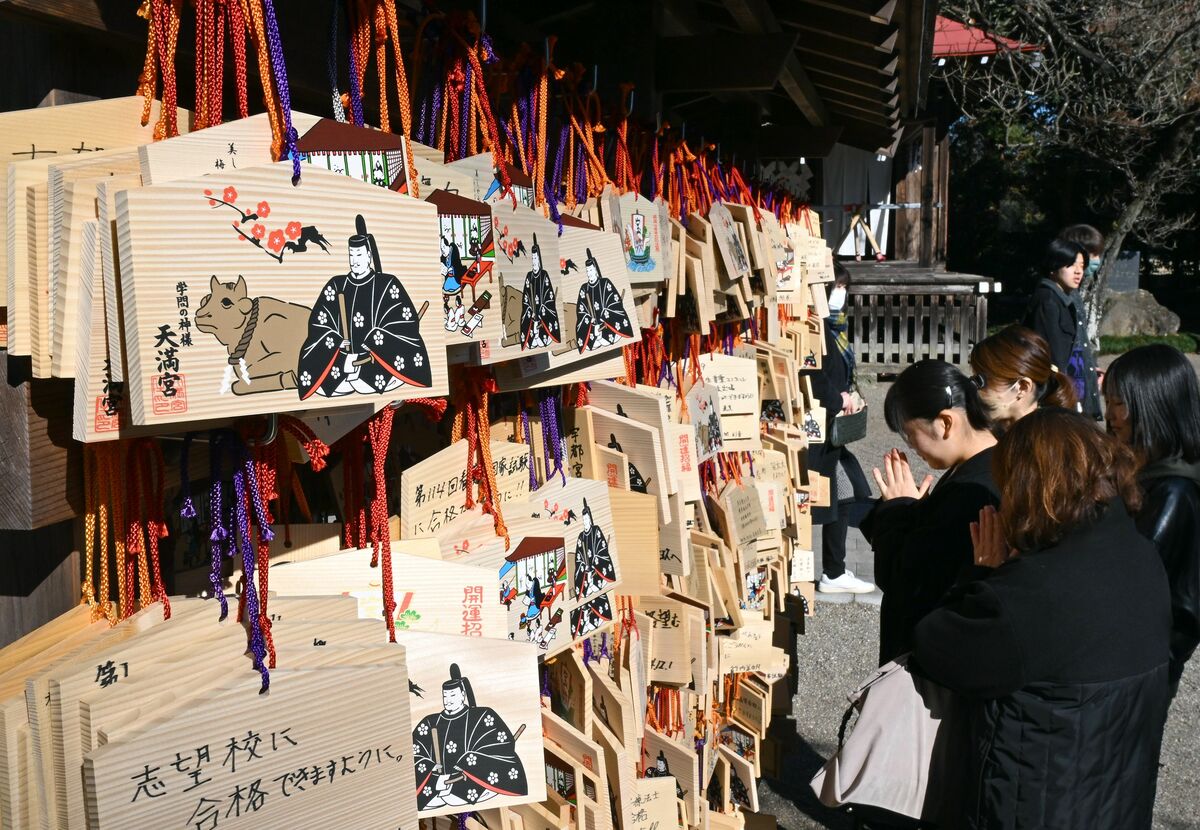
847 583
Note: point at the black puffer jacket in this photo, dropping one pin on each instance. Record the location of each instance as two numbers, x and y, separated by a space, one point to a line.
1064 654
1170 518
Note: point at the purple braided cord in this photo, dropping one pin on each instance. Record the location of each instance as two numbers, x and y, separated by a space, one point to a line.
258 646
530 122
436 114
550 436
588 655
356 104
281 87
580 174
218 534
465 115
512 142
424 115
533 485
604 646
339 112
256 502
545 681
489 52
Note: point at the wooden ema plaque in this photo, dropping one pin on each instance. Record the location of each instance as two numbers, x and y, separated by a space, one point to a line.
433 492
291 298
485 185
57 133
467 248
529 285
643 243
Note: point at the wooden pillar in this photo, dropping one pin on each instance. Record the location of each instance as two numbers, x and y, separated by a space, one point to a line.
927 162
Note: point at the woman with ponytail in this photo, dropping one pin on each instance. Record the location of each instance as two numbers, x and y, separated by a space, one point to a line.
921 536
1015 375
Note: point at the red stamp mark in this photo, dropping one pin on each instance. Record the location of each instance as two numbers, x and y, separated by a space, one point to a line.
173 404
104 421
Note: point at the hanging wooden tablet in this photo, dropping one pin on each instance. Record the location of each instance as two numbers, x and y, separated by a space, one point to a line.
486 185
780 257
528 284
478 742
741 743
643 446
584 509
613 467
362 153
724 234
59 132
743 789
292 741
704 413
662 757
682 455
468 258
433 491
653 804
534 591
571 787
106 212
640 541
643 242
216 150
669 661
666 233
604 366
570 690
278 328
644 404
588 753
614 711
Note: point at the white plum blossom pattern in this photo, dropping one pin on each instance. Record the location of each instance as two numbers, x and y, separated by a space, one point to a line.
306 378
502 736
359 320
378 338
489 721
423 729
380 382
329 342
417 750
395 292
322 317
472 795
419 359
407 313
335 372
493 778
399 362
329 295
421 767
513 774
428 791
452 747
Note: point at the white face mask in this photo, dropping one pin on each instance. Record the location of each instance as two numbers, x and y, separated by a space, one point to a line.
837 299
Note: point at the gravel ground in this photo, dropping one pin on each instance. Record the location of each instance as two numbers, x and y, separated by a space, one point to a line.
840 648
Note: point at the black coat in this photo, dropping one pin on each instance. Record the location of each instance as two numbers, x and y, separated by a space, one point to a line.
828 384
1170 518
923 546
1059 318
1062 657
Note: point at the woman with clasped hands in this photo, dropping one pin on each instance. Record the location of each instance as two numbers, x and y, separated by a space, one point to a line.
921 533
1061 652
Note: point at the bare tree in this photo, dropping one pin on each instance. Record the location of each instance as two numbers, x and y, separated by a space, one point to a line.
1116 82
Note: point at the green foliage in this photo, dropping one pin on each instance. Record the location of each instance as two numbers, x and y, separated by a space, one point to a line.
407 619
1186 343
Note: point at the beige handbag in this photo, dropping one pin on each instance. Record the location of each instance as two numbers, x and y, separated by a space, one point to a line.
906 752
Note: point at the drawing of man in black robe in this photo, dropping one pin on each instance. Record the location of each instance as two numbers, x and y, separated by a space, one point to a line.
363 332
594 569
637 482
662 769
602 318
539 311
465 754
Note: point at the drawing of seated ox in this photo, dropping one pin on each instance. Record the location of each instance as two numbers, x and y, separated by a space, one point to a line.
262 335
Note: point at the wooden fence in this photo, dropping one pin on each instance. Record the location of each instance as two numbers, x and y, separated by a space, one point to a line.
899 320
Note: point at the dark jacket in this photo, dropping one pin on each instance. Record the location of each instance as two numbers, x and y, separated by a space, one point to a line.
1170 518
1059 317
828 384
1062 654
923 546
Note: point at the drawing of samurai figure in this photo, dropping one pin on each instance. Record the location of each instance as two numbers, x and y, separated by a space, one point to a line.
539 309
602 318
662 769
465 754
453 271
594 570
363 332
637 483
588 617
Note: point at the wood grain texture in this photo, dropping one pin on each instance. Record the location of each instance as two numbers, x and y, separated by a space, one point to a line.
158 226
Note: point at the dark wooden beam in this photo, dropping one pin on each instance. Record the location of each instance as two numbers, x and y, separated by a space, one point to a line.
708 63
815 63
781 141
843 25
860 56
756 17
877 11
878 97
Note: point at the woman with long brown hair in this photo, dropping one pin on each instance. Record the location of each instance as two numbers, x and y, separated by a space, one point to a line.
1061 652
1016 375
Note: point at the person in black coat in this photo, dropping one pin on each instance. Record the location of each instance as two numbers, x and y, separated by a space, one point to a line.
1056 313
921 537
1152 404
832 384
1060 653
